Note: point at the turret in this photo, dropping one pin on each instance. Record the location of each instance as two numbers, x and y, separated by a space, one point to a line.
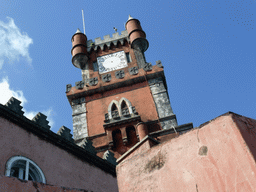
79 50
136 34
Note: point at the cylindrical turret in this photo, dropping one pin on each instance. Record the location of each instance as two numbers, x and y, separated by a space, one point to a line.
142 130
136 34
79 49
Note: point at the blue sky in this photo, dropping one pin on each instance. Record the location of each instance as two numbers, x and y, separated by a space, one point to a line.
207 49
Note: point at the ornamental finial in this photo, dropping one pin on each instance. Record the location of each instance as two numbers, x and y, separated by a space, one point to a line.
130 17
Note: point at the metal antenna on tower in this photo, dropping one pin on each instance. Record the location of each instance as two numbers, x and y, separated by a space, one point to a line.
83 19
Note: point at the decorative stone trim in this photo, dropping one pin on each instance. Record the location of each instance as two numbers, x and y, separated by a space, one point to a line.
128 104
120 112
93 81
68 87
106 117
109 87
125 112
110 108
79 85
106 78
115 114
122 120
133 71
134 111
147 67
159 64
120 74
78 101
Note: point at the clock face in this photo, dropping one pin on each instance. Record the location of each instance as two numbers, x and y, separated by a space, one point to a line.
112 62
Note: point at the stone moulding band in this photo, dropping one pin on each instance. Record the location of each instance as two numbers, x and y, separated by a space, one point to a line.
122 121
110 87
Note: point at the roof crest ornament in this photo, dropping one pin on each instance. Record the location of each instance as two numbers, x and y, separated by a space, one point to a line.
78 30
130 17
98 42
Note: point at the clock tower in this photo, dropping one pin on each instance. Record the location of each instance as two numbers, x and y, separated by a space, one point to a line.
121 97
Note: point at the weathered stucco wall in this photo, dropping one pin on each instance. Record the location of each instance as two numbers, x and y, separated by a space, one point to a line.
11 184
213 158
59 167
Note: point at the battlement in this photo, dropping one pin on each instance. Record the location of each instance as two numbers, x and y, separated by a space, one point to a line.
107 40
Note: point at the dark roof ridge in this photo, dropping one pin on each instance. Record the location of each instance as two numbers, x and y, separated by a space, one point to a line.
225 114
56 139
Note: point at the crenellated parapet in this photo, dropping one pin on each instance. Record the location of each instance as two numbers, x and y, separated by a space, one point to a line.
109 156
107 40
14 105
40 119
65 133
88 146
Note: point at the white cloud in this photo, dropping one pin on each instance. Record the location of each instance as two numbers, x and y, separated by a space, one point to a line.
13 43
6 93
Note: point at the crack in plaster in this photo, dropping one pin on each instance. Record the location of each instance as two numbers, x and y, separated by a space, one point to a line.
198 136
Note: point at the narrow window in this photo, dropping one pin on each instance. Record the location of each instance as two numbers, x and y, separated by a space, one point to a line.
114 111
95 66
131 135
124 108
128 57
117 139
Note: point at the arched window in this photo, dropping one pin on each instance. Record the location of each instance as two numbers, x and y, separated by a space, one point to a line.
124 108
25 169
131 135
117 138
114 111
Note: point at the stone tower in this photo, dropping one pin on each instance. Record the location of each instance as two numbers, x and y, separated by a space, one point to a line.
121 97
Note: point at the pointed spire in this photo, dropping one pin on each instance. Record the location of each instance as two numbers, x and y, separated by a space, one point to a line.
130 17
78 30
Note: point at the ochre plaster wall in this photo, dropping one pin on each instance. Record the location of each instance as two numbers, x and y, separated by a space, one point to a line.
59 167
213 158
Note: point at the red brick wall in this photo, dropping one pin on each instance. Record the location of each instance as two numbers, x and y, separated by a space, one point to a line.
216 157
140 98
